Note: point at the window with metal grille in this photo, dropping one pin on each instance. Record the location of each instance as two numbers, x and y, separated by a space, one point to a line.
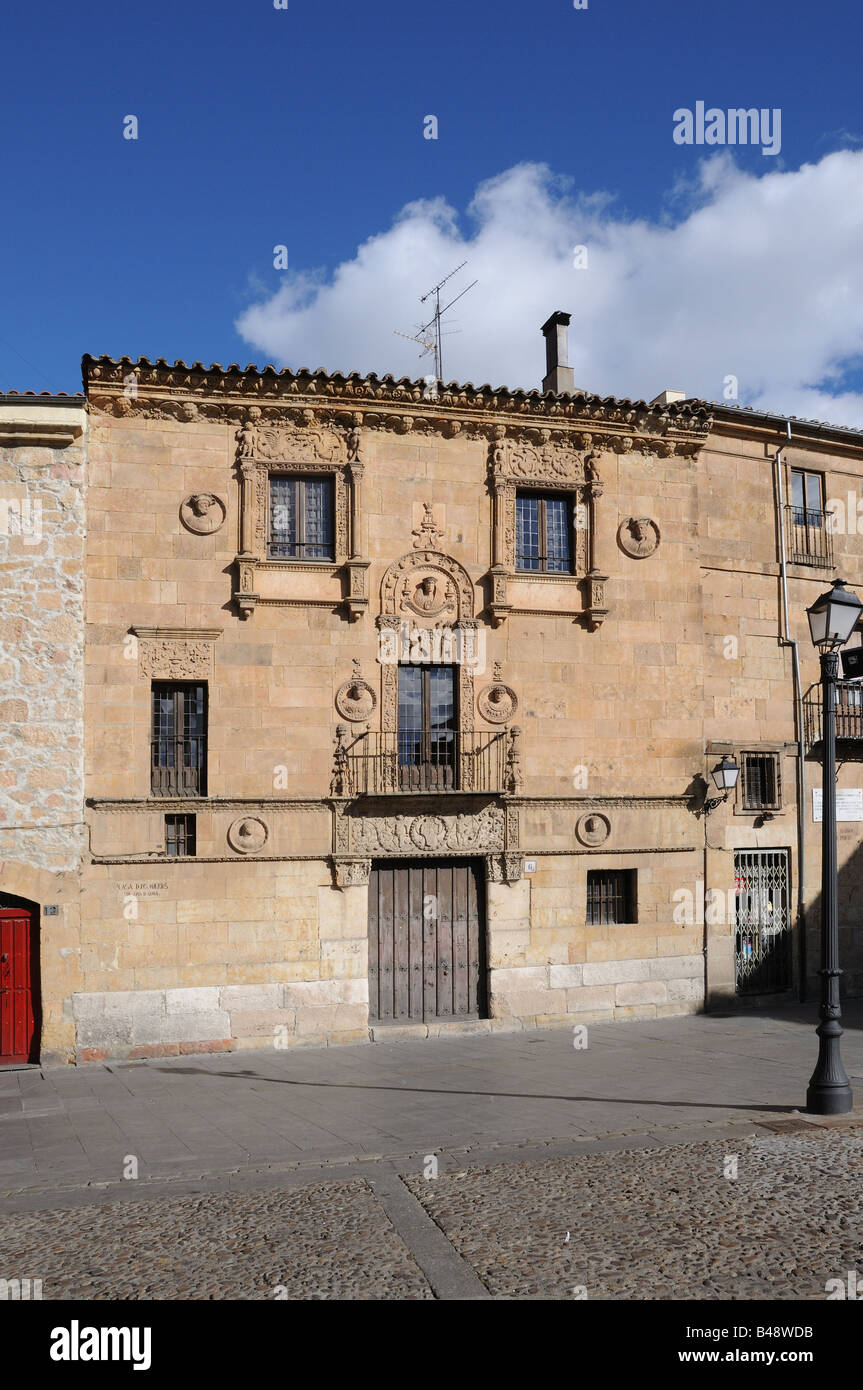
543 528
179 835
301 518
178 744
760 781
610 896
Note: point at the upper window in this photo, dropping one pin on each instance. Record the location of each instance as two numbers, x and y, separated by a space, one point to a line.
301 518
543 530
760 781
809 538
178 744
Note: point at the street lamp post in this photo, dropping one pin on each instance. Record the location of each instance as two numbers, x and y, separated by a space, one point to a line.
832 619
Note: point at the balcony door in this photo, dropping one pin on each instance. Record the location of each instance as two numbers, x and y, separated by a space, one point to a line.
427 729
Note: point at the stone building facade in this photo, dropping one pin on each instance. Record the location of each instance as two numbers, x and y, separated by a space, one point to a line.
401 708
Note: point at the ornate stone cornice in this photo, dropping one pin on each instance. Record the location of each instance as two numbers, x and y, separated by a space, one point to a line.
417 804
160 390
189 805
587 802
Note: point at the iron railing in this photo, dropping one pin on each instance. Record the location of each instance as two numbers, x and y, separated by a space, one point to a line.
178 766
849 711
808 537
425 761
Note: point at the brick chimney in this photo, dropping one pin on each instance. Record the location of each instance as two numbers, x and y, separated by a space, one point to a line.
558 375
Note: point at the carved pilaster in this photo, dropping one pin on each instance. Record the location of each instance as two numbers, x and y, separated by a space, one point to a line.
357 472
351 873
499 607
512 777
357 600
595 583
503 868
595 593
340 783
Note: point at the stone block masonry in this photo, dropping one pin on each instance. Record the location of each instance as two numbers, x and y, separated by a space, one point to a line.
170 1022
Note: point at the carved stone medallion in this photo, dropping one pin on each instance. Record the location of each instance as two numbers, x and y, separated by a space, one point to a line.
638 537
248 835
429 595
498 702
355 699
203 513
593 829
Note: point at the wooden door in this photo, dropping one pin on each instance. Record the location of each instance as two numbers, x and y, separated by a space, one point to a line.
426 941
18 1041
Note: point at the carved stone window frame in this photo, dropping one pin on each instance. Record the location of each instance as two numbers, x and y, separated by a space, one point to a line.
289 452
552 467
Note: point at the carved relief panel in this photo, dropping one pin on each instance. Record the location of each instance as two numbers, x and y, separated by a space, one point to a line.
175 653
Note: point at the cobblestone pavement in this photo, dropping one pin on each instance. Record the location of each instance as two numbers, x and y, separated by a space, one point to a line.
655 1222
662 1223
331 1240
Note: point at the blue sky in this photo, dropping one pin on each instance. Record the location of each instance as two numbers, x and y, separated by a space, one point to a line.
304 127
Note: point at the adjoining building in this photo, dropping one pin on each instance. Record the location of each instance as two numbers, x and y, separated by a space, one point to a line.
402 707
42 457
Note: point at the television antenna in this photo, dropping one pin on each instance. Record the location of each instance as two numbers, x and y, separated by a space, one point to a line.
429 334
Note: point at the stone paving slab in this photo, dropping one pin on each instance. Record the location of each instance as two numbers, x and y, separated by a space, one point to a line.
246 1110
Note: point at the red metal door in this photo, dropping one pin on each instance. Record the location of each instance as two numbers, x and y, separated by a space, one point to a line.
17 1015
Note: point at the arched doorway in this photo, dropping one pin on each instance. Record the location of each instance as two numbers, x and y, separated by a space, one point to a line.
20 1012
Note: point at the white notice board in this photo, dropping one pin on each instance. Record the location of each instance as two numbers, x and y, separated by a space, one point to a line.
849 804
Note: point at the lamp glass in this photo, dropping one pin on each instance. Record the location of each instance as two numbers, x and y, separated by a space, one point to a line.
725 774
833 616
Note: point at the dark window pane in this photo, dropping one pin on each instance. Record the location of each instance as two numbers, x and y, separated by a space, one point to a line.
527 533
179 835
797 489
760 780
610 897
301 518
318 519
542 534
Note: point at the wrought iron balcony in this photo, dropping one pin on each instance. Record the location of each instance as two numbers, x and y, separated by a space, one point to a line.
809 539
178 766
849 712
425 761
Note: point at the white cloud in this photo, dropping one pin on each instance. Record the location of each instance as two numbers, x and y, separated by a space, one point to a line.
759 277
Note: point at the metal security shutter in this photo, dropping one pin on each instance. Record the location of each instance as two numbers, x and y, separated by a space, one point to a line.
762 922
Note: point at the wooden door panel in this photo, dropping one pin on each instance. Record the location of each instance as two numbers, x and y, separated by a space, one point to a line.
426 941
